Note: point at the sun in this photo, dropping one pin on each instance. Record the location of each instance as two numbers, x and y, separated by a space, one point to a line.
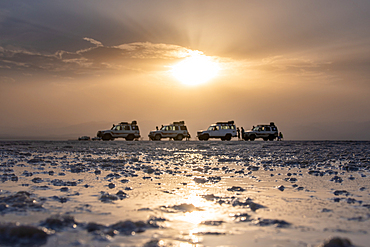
195 70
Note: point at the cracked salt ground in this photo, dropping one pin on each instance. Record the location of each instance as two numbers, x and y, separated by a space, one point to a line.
184 193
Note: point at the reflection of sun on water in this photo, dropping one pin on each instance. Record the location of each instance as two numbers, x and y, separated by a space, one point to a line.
196 69
196 217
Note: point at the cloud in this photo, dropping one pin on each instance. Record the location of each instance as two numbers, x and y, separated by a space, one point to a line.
147 57
93 41
138 56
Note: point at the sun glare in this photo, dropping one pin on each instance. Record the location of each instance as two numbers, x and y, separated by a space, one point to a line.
195 70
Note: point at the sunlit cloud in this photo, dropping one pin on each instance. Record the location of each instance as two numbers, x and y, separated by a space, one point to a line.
191 67
93 41
138 56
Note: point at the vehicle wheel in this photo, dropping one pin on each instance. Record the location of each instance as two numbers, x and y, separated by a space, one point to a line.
252 137
107 137
246 138
265 138
179 138
223 138
157 137
228 137
271 137
130 138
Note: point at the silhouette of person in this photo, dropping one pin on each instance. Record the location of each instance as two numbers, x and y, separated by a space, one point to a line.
242 133
280 136
238 131
156 127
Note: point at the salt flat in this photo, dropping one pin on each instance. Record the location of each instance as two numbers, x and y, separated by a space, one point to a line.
189 193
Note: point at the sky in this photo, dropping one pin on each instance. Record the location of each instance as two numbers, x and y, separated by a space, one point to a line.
70 68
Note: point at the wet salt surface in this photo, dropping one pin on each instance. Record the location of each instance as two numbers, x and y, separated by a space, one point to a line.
184 193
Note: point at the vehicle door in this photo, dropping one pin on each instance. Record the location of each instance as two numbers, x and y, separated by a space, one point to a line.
135 129
117 131
224 130
233 130
216 131
166 131
126 130
184 130
267 131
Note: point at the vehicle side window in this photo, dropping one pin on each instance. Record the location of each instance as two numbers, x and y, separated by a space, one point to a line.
127 127
217 128
267 128
232 127
176 127
118 127
183 127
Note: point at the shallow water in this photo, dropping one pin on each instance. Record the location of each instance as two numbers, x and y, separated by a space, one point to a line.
188 193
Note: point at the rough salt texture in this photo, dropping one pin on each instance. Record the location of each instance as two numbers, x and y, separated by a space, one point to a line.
192 193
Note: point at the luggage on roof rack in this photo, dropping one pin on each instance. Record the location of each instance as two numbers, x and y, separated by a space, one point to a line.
179 123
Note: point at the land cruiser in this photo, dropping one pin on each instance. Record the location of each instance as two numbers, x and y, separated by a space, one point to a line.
176 131
129 131
223 130
264 131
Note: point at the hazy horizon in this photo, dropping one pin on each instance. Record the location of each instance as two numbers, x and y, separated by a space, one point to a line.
303 65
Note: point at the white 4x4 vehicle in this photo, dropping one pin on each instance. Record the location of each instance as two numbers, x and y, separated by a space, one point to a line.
176 131
129 131
223 130
264 131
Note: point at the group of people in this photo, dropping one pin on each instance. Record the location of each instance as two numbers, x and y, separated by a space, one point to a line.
238 131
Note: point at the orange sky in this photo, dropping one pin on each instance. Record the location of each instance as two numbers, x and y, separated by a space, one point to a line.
71 68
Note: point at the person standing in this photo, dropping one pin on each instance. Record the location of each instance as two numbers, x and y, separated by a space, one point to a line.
238 131
242 133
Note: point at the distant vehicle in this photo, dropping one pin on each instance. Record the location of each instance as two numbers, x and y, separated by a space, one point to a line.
222 130
176 131
264 131
84 138
129 131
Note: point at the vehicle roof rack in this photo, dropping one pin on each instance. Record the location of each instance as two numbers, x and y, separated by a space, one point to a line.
179 123
228 122
123 122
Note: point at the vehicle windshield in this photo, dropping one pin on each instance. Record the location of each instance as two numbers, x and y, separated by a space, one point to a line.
212 127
